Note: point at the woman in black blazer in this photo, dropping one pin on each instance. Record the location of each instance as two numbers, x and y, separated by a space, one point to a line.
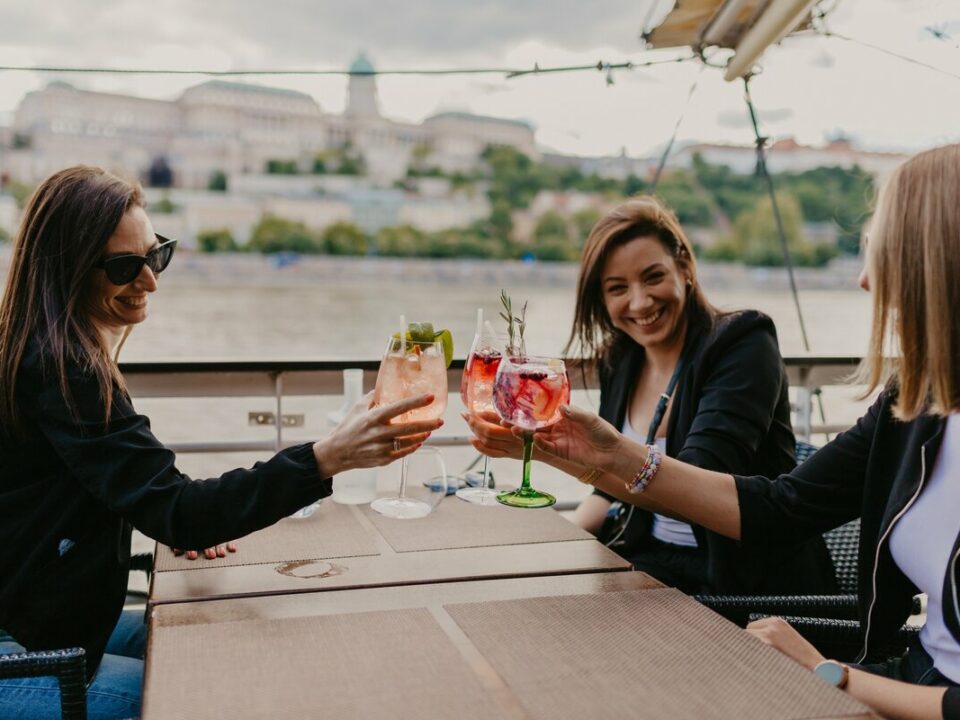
898 468
709 387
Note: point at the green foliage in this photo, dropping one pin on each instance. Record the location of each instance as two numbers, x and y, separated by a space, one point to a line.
344 238
402 241
217 181
273 234
216 240
583 221
319 164
21 192
4 235
756 240
164 205
282 167
692 206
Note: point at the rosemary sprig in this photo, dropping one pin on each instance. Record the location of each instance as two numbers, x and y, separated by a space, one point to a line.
516 324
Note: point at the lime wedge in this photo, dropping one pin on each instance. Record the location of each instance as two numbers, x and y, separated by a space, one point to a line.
446 339
420 332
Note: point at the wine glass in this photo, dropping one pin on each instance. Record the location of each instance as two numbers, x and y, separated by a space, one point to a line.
528 392
476 391
410 368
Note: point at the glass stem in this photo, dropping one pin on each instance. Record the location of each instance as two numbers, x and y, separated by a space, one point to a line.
527 457
403 477
486 480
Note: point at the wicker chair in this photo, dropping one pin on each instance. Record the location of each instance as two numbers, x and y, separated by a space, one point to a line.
69 666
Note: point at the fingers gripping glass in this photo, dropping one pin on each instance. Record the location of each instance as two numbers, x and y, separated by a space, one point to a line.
123 269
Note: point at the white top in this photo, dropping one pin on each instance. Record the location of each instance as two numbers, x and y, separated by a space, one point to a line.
665 529
922 541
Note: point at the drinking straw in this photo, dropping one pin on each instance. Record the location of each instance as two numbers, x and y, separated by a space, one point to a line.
403 334
479 320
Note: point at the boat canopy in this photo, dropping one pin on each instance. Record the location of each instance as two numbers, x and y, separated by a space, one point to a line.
748 27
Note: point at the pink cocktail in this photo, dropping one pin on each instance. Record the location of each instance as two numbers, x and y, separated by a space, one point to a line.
528 392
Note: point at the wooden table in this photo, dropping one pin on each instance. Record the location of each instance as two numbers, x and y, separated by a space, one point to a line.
352 547
602 645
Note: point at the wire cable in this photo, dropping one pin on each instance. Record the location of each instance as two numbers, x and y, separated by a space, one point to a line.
676 129
891 53
507 72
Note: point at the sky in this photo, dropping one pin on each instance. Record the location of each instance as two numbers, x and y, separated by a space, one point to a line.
810 88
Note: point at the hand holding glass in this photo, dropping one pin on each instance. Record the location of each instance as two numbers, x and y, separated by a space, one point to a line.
528 393
410 368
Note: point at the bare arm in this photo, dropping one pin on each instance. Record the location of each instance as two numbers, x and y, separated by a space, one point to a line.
891 698
591 512
703 497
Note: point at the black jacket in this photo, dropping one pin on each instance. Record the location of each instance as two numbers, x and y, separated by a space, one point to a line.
874 471
730 413
73 479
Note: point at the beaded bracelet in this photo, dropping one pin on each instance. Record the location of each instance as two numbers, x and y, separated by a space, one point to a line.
590 476
647 472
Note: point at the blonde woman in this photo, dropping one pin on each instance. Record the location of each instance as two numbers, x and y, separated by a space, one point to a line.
898 468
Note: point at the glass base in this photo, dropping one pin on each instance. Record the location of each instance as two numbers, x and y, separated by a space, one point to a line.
478 496
526 498
403 508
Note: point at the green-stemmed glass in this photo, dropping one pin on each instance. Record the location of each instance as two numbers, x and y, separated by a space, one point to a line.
528 393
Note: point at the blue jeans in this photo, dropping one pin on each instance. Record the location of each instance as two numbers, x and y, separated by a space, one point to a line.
113 694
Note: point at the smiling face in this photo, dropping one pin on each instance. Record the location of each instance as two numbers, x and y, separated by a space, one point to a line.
645 292
114 307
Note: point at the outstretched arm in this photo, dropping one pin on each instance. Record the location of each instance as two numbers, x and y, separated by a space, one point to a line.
704 497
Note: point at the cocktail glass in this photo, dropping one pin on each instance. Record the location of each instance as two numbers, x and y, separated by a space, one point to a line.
528 392
476 391
410 368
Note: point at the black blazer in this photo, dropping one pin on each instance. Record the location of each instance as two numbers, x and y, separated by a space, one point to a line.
730 412
71 489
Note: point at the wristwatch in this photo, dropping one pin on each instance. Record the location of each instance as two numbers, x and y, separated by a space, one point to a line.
833 672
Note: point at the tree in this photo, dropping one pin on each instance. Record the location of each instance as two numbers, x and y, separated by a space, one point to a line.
400 241
344 238
165 205
217 181
273 234
583 221
216 240
755 239
4 235
282 167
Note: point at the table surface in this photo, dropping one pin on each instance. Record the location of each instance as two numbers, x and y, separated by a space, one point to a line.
344 546
600 645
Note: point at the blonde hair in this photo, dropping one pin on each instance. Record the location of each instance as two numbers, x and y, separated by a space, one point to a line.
913 262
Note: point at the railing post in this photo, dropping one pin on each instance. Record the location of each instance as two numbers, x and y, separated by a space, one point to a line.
804 425
278 391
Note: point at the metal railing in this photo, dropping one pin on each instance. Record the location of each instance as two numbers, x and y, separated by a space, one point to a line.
283 379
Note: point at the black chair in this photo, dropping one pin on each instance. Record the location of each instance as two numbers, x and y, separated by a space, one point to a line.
68 666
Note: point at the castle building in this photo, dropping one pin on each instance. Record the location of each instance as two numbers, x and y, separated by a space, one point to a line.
229 128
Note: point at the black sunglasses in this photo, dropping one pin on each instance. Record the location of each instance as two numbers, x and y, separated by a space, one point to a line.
123 269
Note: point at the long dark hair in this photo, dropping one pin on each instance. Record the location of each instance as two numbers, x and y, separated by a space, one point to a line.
64 231
593 333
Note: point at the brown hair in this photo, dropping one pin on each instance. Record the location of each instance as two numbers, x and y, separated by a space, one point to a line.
913 262
643 216
64 231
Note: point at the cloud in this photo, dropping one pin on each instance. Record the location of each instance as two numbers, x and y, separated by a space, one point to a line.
317 33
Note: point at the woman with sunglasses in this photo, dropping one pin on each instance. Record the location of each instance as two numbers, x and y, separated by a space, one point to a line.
898 468
79 466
